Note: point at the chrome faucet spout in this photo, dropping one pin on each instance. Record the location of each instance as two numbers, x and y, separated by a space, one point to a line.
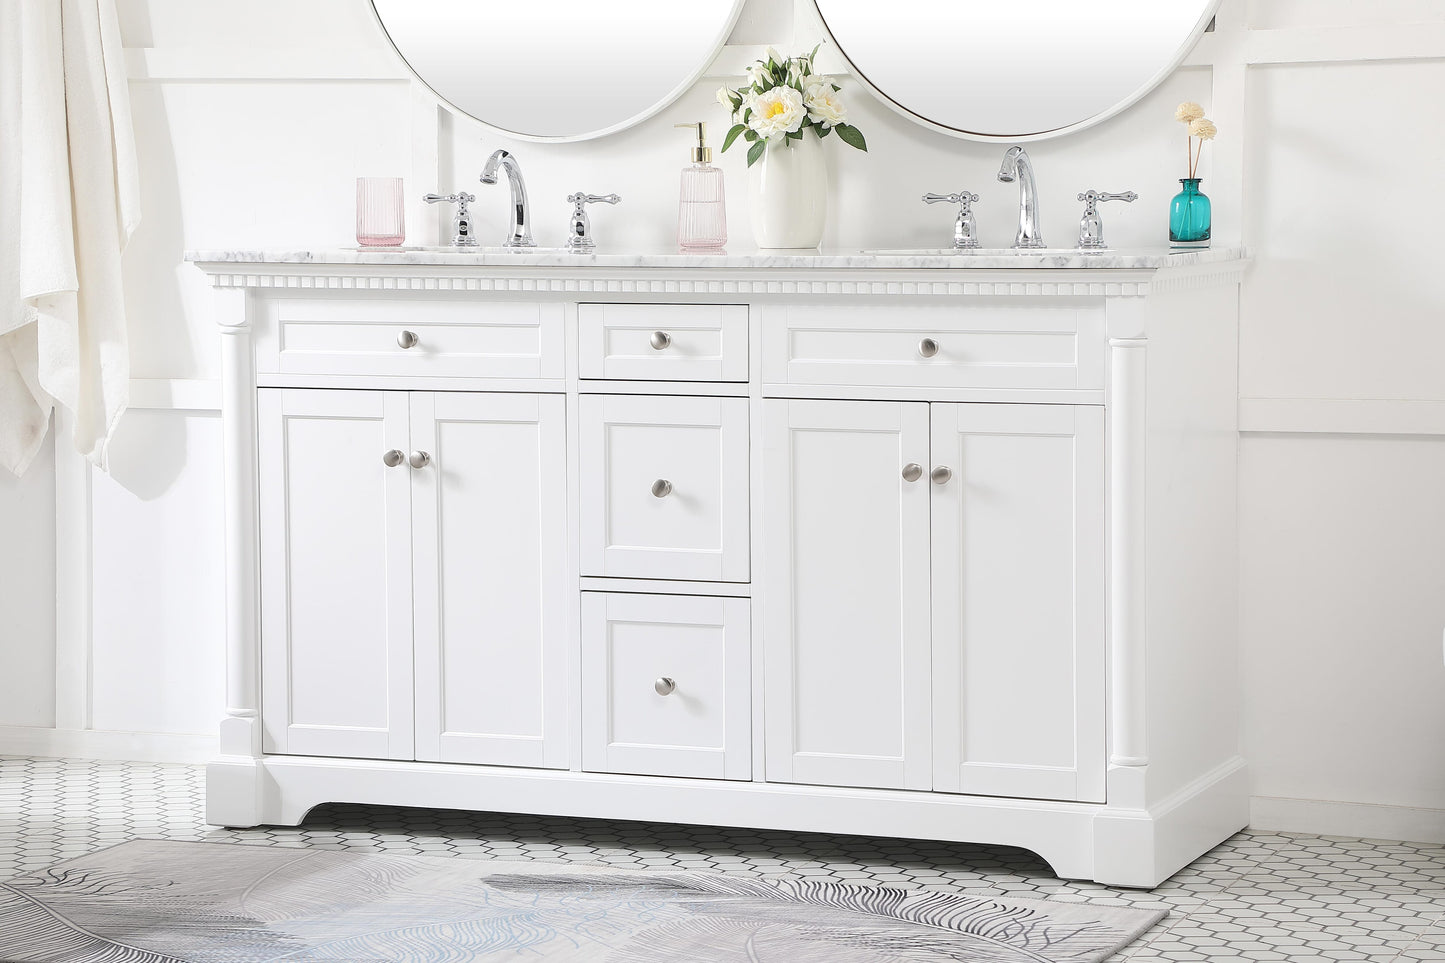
521 226
1016 166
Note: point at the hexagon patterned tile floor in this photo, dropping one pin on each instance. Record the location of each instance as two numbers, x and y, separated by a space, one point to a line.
1258 897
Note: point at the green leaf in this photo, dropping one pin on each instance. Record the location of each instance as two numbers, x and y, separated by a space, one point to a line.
751 136
737 131
823 131
851 136
795 135
756 151
814 54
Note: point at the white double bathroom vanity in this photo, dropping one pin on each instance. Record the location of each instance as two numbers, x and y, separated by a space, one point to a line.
923 546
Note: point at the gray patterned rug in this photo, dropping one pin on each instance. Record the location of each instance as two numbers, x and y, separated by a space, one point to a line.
159 902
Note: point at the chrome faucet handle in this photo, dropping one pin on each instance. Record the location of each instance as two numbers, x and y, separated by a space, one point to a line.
461 220
1091 226
579 230
965 230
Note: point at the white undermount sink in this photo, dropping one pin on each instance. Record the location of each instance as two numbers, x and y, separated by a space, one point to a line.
481 249
982 252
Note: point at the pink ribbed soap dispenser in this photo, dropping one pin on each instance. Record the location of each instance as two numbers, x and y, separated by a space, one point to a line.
702 220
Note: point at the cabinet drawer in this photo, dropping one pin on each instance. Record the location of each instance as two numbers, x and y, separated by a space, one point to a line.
665 685
663 342
664 487
452 339
992 345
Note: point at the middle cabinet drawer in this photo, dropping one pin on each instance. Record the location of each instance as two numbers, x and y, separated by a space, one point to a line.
664 486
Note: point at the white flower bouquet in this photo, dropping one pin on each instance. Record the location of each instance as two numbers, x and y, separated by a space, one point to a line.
783 100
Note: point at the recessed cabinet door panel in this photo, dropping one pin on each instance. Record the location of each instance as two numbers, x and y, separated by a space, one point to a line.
846 593
1018 653
488 515
336 629
699 724
665 487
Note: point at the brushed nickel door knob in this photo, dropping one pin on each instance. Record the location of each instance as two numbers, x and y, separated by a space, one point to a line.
393 458
661 488
928 347
659 340
408 339
912 472
940 475
419 459
664 686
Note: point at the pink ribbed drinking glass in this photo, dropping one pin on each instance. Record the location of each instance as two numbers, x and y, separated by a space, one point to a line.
379 212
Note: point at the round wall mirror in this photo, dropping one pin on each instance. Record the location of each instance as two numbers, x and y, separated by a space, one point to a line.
558 70
1013 69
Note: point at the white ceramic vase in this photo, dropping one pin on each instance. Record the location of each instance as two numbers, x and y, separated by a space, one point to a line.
788 194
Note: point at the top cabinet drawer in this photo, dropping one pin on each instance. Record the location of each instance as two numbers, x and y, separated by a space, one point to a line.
988 345
448 339
663 342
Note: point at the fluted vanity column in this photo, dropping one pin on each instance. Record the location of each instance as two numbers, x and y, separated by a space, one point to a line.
1128 383
233 779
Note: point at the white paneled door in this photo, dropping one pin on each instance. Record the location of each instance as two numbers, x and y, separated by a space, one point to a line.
1018 589
336 627
489 549
414 569
846 581
933 593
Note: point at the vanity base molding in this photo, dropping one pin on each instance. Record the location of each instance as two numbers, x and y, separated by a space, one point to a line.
1112 846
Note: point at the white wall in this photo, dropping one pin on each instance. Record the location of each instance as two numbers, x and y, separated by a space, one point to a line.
27 594
251 136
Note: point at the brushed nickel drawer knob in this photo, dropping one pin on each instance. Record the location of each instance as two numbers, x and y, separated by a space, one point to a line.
912 472
408 339
393 458
928 347
664 686
940 475
661 488
419 459
659 340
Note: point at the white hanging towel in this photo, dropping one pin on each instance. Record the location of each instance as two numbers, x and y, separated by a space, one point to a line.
69 202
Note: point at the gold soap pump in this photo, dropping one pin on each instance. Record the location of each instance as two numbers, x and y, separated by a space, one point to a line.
702 223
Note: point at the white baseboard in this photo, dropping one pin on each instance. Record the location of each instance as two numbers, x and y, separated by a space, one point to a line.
103 744
1320 817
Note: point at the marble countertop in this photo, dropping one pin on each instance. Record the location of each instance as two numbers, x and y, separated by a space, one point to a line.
1050 259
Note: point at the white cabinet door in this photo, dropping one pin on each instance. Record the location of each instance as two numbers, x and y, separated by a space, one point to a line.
336 628
665 685
1018 644
489 530
665 487
845 584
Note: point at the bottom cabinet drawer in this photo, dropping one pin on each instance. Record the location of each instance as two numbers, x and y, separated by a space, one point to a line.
665 685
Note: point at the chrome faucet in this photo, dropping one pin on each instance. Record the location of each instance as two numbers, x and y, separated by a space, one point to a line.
1017 166
521 234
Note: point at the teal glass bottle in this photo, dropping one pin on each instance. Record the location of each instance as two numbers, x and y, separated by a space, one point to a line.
1189 216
